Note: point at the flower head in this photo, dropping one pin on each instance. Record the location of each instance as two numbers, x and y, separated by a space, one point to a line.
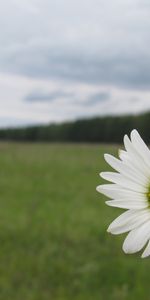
130 189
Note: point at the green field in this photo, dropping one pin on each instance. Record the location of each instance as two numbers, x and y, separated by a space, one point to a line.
53 239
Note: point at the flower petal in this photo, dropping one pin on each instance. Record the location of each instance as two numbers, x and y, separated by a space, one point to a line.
123 155
126 159
123 168
128 221
137 238
138 175
140 146
136 158
146 251
128 204
124 182
115 191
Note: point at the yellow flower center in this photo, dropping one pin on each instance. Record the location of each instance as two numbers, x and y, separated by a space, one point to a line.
148 195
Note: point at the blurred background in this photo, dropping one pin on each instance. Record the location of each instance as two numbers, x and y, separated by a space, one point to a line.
74 78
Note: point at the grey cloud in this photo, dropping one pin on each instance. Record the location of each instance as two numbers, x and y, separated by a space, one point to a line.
130 69
134 100
40 96
6 122
109 49
98 98
91 100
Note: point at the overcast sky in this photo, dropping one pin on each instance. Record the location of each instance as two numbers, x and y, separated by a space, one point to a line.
67 59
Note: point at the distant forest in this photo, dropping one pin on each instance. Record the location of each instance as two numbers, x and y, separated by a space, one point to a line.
95 130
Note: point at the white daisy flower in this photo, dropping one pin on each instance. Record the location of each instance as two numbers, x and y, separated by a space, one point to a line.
130 189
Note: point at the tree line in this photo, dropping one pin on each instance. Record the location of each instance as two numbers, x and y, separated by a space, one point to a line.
108 129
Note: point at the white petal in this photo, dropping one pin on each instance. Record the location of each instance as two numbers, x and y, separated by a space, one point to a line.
140 146
128 204
123 155
137 238
115 191
126 159
136 158
124 182
122 219
146 251
128 221
137 173
115 163
121 167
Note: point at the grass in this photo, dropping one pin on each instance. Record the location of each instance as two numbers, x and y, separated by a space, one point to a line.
53 239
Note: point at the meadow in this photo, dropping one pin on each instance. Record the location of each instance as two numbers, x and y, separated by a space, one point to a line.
53 239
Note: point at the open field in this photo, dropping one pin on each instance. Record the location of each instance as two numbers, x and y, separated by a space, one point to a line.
53 239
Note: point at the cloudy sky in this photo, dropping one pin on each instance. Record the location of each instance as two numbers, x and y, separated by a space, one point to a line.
67 59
